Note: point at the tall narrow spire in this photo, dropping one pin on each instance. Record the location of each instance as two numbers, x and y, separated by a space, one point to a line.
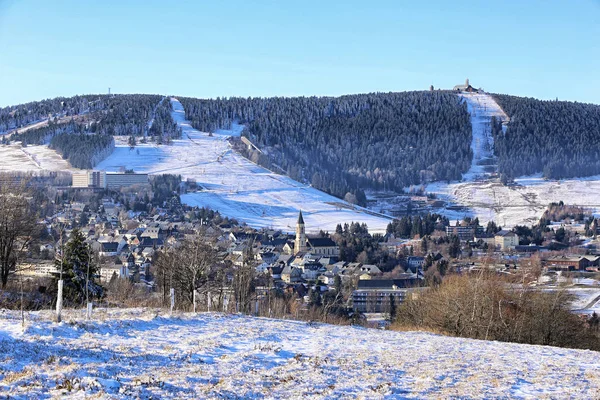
300 242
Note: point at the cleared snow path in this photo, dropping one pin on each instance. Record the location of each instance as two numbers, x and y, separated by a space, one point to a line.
236 187
140 354
482 107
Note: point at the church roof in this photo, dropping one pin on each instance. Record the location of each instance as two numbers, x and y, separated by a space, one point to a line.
300 219
321 242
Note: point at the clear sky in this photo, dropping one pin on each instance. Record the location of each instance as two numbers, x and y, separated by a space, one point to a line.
543 49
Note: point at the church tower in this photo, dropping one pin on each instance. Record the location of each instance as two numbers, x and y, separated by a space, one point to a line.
300 242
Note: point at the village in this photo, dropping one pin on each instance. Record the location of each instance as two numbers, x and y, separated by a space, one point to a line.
362 274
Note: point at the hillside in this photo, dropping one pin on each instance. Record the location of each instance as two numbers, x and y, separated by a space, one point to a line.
139 353
349 143
343 146
233 185
483 196
81 129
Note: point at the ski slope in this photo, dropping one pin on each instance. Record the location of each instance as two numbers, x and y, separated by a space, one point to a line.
138 353
236 187
482 108
486 198
13 157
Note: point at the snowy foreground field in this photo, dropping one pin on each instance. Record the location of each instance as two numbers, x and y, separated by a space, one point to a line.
236 187
488 199
138 353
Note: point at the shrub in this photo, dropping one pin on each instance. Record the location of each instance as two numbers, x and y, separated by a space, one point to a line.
487 307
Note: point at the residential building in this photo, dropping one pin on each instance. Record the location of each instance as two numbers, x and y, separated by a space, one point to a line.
506 240
464 233
375 295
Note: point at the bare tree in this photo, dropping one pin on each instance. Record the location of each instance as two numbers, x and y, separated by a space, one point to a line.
17 227
187 268
243 281
199 257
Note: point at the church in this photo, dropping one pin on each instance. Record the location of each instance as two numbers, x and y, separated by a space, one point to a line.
316 246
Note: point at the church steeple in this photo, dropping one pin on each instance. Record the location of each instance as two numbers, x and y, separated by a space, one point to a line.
300 242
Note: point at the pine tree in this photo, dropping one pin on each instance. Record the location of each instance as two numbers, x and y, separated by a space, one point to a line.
78 268
454 248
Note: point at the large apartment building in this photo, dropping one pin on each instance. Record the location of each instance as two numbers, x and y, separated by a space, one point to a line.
107 180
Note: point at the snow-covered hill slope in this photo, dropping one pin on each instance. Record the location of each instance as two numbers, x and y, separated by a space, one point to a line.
13 157
236 187
488 199
137 354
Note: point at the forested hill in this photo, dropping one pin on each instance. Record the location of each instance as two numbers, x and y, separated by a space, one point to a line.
344 144
561 139
113 114
81 128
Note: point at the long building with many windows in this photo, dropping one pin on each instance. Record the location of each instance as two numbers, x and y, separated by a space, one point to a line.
107 180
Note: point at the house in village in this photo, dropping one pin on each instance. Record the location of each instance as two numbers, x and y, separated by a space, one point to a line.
291 274
116 269
506 240
485 238
572 263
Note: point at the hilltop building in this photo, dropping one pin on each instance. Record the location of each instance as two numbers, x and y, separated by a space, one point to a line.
465 88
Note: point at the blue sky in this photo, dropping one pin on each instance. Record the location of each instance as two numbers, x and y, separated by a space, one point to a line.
544 49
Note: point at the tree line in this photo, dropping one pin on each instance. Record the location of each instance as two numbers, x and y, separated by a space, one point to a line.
411 226
556 138
342 144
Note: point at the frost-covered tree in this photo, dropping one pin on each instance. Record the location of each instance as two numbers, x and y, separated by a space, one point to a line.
78 269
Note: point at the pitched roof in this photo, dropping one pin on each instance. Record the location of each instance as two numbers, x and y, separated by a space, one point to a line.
110 247
300 219
321 242
504 232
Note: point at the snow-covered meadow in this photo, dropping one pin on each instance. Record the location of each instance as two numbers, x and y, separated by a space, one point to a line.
142 354
236 187
488 199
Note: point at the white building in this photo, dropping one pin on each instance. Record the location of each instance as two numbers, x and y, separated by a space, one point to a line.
506 240
110 180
